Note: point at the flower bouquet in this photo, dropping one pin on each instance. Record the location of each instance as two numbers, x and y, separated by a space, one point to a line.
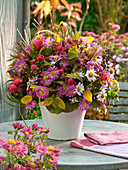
62 73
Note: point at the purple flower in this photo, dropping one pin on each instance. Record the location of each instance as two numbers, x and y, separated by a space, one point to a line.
64 62
48 42
53 73
81 61
84 104
60 91
45 80
19 65
30 105
71 91
90 65
41 93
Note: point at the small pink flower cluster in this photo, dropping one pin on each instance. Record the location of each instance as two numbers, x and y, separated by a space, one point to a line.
25 152
116 46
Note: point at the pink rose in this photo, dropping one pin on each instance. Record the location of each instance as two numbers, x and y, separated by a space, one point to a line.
33 67
40 57
38 44
13 88
17 80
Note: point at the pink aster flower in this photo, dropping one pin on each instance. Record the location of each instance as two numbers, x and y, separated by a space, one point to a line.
60 91
27 131
84 104
71 91
41 93
17 125
19 65
81 60
90 65
64 62
30 105
53 73
19 148
45 80
48 42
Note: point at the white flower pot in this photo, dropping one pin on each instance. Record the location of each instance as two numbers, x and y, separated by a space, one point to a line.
63 126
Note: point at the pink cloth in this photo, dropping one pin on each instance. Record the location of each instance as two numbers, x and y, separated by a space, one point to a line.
107 138
114 144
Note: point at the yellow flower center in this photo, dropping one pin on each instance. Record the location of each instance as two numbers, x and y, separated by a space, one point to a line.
38 37
91 74
41 92
32 164
11 142
82 60
71 91
84 104
49 42
95 59
103 96
51 148
26 133
46 78
111 71
44 130
79 89
53 73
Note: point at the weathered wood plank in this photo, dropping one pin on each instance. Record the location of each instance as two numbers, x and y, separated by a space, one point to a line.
13 15
123 86
118 109
123 94
121 102
117 117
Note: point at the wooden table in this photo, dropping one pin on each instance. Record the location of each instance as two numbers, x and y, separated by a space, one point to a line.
78 159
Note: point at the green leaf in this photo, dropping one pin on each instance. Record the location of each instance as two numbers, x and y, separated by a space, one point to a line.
60 82
48 101
72 55
59 102
73 76
46 63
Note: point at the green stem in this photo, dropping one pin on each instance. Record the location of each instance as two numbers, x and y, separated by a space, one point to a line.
23 118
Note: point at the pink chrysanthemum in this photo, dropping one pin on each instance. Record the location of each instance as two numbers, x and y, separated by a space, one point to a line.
84 104
41 93
27 131
90 65
30 105
45 80
53 73
60 91
71 91
64 62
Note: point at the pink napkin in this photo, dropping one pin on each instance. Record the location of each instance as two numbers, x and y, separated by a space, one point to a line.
107 138
114 144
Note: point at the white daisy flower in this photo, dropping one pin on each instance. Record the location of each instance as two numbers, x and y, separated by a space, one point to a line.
91 75
80 89
102 96
80 73
97 60
73 100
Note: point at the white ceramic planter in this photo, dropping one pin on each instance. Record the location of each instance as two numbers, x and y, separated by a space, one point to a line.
63 126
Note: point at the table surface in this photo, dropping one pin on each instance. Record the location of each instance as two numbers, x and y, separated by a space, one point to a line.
77 159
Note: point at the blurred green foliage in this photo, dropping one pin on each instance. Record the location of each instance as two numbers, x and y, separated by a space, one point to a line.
115 11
